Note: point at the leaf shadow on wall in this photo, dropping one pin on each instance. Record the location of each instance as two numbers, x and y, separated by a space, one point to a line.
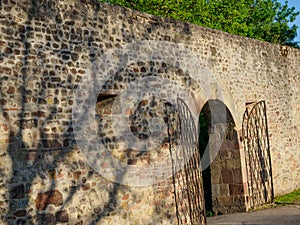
37 147
38 158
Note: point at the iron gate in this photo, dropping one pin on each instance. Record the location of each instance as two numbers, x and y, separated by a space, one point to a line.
257 155
187 177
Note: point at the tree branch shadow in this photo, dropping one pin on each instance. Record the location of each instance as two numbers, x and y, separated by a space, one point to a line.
29 160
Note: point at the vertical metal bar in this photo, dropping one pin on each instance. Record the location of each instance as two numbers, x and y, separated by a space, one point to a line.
182 122
249 157
269 153
246 152
173 169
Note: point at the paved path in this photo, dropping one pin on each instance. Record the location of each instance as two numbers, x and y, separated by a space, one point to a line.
281 215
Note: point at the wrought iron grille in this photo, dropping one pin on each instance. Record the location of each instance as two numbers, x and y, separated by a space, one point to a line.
257 156
187 178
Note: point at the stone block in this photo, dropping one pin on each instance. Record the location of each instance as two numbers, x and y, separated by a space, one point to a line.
18 192
236 189
237 176
227 176
20 213
224 190
50 197
62 216
46 219
216 190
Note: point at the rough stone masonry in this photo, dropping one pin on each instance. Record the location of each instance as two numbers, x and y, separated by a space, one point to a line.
47 51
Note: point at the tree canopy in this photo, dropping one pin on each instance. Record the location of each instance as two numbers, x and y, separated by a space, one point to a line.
266 20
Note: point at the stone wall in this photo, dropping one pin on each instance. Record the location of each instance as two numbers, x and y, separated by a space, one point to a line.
50 49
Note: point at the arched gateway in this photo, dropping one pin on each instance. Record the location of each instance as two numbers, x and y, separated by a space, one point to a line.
148 105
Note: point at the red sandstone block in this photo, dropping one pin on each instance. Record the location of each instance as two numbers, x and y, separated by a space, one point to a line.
50 197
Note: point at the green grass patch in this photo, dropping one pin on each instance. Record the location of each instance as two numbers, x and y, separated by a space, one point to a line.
289 198
209 213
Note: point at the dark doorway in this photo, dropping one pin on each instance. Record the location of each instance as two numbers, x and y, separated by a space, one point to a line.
206 173
220 160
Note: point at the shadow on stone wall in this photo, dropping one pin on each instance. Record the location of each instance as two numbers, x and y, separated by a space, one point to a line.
40 158
46 68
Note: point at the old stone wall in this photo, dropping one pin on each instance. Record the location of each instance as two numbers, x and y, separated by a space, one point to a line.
54 54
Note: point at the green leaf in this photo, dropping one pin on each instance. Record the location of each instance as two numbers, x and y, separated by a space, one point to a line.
266 20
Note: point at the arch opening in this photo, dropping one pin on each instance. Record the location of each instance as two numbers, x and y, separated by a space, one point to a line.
221 160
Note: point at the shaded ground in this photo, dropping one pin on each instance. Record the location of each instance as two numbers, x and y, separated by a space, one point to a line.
281 215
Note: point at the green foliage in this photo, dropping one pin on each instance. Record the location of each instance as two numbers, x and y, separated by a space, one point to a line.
209 214
266 20
289 198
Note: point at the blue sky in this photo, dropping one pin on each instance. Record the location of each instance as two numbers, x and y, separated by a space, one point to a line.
296 4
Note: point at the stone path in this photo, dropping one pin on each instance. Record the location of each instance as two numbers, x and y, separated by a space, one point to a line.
281 215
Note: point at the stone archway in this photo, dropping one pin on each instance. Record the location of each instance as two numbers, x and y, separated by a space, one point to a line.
221 160
136 77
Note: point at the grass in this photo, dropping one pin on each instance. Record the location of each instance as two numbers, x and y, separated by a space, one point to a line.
209 213
289 198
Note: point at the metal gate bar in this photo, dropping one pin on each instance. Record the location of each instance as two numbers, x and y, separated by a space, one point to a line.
257 156
187 177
